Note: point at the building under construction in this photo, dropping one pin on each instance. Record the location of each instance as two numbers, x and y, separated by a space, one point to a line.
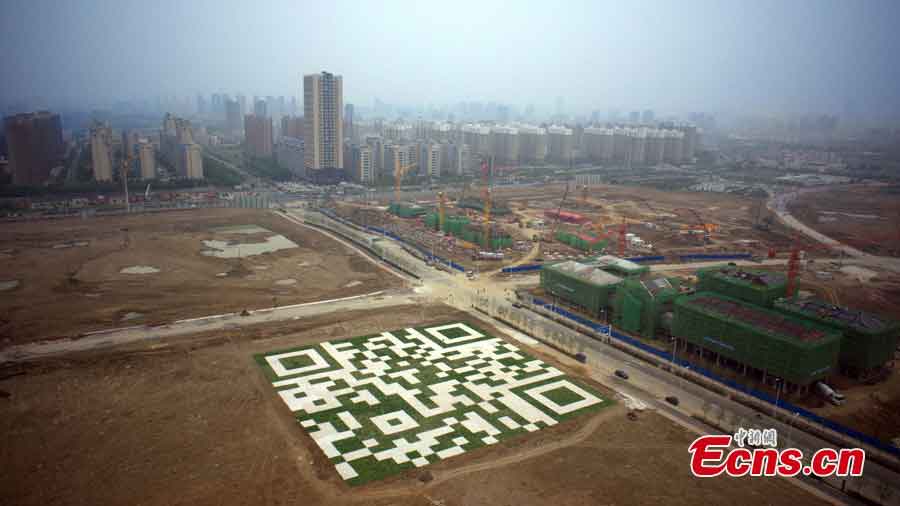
645 306
756 287
459 226
800 351
582 241
583 286
868 341
739 317
406 210
477 203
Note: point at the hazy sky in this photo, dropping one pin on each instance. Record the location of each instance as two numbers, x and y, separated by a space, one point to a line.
673 55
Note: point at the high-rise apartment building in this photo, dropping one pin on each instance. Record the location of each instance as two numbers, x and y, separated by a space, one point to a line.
35 146
101 152
178 150
292 126
560 141
505 144
260 108
323 107
233 119
430 157
363 164
532 144
258 135
147 159
289 154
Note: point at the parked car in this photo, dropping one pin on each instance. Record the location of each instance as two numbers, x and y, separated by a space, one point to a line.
517 305
621 374
672 400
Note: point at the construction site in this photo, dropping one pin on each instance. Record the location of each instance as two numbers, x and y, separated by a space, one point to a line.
485 226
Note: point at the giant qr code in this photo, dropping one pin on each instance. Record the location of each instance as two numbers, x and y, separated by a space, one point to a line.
377 405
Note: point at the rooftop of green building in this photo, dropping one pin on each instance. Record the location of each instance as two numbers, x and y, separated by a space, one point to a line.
586 272
748 277
611 262
839 316
768 321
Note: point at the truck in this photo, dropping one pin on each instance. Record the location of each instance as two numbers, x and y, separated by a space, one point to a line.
830 394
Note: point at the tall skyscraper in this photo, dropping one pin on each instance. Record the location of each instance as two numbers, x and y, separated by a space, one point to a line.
101 151
348 119
177 148
292 126
323 107
258 135
233 118
35 145
260 108
147 159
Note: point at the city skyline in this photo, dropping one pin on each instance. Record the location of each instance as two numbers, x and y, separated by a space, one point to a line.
715 56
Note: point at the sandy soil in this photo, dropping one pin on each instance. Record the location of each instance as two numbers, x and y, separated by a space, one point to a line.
192 421
64 291
865 217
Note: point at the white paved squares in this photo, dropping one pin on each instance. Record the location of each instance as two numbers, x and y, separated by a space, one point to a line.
414 396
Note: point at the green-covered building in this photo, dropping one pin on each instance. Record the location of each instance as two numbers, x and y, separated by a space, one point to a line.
798 350
581 285
868 342
644 306
619 266
754 286
406 210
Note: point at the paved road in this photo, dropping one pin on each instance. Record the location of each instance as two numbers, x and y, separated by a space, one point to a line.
114 337
778 204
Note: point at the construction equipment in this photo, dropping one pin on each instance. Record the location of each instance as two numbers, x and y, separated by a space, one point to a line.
556 222
701 225
584 196
399 172
623 231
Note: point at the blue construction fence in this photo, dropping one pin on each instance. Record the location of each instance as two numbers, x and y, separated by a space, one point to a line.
714 256
763 396
653 258
521 268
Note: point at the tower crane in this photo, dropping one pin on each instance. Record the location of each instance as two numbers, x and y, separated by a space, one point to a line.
555 223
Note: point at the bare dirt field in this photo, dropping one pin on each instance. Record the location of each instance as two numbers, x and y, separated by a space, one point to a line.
73 275
866 217
193 421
